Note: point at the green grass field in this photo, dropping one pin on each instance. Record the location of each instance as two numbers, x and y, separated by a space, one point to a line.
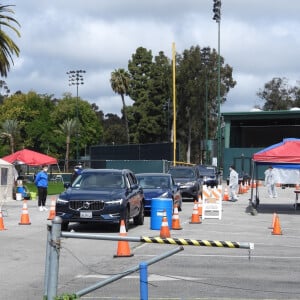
54 188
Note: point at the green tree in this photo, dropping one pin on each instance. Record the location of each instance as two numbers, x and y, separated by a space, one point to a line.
10 131
32 112
8 48
150 90
113 130
120 80
193 70
277 94
68 128
89 129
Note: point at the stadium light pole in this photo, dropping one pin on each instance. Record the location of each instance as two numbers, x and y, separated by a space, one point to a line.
217 18
76 78
206 52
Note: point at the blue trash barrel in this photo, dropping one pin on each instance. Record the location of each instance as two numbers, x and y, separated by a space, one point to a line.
20 189
158 206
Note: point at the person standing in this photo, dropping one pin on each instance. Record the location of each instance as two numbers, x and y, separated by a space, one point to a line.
270 182
41 181
233 183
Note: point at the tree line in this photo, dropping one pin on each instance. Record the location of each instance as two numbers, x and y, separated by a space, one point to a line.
53 126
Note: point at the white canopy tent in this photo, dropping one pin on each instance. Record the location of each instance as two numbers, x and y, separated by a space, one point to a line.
8 175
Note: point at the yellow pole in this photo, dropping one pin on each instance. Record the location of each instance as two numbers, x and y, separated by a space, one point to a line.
174 103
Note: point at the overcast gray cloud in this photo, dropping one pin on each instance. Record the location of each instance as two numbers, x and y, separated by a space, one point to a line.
259 39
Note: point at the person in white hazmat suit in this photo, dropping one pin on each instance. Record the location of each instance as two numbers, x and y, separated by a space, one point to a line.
270 182
233 184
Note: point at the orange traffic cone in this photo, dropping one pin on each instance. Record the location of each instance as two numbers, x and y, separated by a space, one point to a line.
277 228
195 215
200 205
175 219
273 220
52 209
123 246
225 195
164 229
241 189
25 215
1 222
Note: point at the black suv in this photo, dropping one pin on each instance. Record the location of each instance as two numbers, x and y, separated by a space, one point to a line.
209 175
103 196
188 180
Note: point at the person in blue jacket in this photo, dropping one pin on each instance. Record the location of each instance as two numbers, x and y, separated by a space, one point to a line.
41 181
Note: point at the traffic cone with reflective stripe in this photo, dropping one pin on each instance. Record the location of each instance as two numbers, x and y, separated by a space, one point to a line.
175 219
200 205
241 190
277 228
52 209
195 215
123 246
1 222
226 195
273 220
164 229
25 215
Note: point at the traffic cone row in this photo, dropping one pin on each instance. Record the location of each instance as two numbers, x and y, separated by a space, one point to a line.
25 215
175 219
123 246
226 195
164 229
195 219
276 228
2 227
52 212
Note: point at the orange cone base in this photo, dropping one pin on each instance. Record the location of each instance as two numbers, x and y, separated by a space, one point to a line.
2 227
24 223
177 228
51 216
195 222
123 249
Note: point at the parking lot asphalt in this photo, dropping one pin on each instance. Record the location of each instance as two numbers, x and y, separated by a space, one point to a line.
269 271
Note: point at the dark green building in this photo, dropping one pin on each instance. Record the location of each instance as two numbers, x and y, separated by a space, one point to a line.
244 133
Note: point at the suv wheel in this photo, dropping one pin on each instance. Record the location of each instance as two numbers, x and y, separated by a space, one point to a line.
139 219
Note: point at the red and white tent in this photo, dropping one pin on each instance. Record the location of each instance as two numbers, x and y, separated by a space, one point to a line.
282 155
30 158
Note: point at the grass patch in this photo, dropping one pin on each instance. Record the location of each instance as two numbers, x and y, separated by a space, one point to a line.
54 188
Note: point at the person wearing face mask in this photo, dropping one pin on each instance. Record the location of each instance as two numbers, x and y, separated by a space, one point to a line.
41 181
233 183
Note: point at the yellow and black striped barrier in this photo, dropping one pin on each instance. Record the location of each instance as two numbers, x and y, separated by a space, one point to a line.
158 240
192 242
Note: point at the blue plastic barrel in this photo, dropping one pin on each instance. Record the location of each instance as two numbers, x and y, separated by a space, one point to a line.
158 206
20 189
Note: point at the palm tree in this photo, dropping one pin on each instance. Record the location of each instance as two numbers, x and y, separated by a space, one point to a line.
119 81
68 128
7 45
10 130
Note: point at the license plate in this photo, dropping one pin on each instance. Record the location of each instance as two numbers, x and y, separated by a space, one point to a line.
86 214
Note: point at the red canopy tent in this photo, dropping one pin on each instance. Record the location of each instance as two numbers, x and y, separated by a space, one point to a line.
284 157
285 154
30 158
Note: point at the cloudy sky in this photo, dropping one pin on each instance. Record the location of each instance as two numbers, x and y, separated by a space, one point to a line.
259 39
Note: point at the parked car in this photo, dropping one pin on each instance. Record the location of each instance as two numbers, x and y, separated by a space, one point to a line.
159 185
188 180
102 196
209 175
